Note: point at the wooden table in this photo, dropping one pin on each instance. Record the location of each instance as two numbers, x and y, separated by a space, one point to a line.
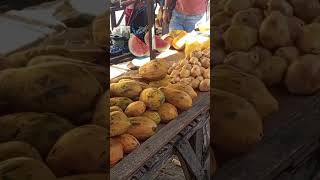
188 137
291 138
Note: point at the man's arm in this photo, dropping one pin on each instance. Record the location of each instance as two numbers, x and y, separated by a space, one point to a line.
167 3
127 2
167 10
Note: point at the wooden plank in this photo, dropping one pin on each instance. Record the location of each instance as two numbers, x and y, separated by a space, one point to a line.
153 164
299 128
157 162
125 168
188 155
113 18
150 12
184 165
196 142
199 123
122 58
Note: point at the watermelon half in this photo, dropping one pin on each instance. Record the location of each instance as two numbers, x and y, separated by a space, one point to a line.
137 47
161 45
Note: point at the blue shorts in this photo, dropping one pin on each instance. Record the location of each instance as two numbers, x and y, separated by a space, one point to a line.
183 22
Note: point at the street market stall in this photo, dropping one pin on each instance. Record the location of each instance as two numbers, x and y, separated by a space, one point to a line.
183 128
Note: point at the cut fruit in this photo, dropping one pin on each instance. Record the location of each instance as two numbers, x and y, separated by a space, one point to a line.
161 45
137 47
179 41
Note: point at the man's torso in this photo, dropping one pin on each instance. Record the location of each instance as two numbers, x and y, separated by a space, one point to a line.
191 7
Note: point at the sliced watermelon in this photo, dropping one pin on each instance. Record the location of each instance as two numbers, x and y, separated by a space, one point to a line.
161 45
137 47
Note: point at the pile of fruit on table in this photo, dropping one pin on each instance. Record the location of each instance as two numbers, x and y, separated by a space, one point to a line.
138 105
259 44
178 39
50 125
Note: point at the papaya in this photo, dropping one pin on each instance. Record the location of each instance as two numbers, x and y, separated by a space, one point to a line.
163 82
179 41
119 123
100 115
129 142
40 130
142 127
142 84
136 108
128 89
178 98
171 35
168 39
115 108
99 32
99 72
152 97
116 151
153 115
14 149
167 112
81 150
237 126
183 87
23 168
232 80
121 102
153 70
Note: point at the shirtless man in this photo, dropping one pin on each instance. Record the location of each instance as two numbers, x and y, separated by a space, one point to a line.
185 15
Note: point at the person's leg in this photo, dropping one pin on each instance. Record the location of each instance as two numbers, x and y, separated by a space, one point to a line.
191 21
176 22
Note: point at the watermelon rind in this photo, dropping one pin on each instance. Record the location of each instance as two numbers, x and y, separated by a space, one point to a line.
161 45
137 47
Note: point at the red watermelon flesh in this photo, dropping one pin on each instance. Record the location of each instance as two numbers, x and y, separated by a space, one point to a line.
137 47
161 45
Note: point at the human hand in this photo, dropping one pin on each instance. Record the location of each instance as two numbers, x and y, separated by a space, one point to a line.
166 16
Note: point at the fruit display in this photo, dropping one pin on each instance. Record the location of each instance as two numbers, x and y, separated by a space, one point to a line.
99 31
237 126
193 71
68 156
264 38
259 44
160 44
137 47
53 96
140 48
138 106
13 149
188 42
19 168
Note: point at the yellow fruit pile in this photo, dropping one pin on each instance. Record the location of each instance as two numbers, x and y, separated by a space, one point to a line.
188 42
265 38
193 70
137 107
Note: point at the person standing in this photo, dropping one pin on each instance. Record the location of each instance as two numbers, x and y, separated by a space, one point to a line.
183 14
129 7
